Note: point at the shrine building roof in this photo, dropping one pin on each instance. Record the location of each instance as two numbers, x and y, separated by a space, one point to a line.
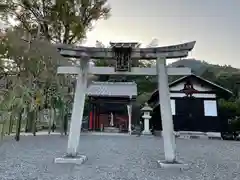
112 89
217 89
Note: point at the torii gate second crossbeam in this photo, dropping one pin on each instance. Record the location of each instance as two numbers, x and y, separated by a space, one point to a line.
123 54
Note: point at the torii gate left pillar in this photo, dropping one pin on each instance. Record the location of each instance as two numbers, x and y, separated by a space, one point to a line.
79 101
77 114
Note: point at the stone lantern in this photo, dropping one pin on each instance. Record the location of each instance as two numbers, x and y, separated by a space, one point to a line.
146 116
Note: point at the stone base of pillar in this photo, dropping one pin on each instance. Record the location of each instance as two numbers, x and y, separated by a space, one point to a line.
146 133
173 165
158 133
80 159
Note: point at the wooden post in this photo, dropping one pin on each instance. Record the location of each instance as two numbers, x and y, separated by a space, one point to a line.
1 130
54 123
65 125
34 125
62 112
10 124
27 121
51 120
18 126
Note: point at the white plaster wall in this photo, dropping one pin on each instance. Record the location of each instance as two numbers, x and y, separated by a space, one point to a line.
203 95
210 108
173 107
196 86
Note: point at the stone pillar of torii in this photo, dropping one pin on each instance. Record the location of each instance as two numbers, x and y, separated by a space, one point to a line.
123 54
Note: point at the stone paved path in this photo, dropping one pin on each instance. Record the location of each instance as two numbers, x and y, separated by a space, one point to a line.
117 158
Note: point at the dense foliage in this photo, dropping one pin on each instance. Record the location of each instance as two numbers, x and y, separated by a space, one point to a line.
30 60
61 21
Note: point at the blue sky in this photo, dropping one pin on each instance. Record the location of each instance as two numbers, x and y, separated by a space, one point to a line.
214 24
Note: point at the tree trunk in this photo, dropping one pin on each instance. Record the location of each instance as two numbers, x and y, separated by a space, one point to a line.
26 125
10 124
29 122
34 128
54 123
18 126
1 131
62 113
65 123
51 120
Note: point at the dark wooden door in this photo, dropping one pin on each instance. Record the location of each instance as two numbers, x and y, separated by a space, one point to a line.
181 120
189 114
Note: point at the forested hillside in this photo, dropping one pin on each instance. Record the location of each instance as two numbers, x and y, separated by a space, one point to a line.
199 67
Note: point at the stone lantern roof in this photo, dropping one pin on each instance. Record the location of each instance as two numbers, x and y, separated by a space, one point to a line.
146 108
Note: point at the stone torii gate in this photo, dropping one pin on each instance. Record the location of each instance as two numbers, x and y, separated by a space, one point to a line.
123 54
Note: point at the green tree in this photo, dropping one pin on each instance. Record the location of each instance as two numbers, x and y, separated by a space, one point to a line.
32 66
209 74
15 100
61 21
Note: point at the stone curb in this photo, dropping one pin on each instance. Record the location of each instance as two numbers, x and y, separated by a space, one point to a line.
199 137
82 133
37 134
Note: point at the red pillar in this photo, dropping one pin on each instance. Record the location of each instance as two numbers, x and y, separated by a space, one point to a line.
91 120
90 115
98 117
94 117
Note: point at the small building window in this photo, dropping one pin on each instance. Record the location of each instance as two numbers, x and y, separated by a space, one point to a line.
210 108
173 106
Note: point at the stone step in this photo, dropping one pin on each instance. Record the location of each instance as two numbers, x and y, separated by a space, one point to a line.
111 129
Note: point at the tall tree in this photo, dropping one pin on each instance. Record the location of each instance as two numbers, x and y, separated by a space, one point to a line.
61 21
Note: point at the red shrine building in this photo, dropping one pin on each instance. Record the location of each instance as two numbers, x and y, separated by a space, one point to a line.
108 105
194 103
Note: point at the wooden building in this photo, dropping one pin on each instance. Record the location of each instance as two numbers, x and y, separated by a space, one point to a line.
194 105
108 104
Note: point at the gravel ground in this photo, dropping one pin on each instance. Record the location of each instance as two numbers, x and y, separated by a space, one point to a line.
118 157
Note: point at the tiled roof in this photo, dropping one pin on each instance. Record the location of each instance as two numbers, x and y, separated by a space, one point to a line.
115 89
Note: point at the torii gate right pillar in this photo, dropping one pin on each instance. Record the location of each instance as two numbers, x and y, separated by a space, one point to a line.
166 112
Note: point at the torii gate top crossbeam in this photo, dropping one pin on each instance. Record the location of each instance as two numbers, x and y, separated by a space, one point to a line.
175 51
